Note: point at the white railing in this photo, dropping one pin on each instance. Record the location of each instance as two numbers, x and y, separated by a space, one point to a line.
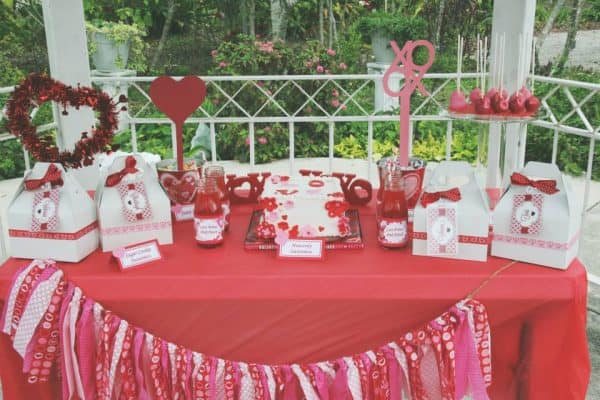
271 104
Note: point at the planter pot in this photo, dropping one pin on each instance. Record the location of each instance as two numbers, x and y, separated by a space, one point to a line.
380 41
109 56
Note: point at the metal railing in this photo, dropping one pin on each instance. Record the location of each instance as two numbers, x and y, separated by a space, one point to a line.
310 99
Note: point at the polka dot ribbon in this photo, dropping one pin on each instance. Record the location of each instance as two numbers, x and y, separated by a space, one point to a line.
431 197
547 186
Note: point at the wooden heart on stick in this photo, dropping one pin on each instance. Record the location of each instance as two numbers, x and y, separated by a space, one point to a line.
178 100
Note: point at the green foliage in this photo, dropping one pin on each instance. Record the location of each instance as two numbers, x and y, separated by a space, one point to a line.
12 163
397 26
120 33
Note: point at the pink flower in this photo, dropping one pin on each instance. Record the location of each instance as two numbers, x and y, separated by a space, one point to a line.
262 140
214 52
269 93
335 93
281 237
343 106
265 47
247 141
288 205
267 129
308 64
320 69
343 66
308 231
222 64
330 52
335 103
215 101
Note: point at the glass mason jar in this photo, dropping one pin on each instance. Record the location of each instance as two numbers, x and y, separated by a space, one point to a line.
393 214
208 214
217 172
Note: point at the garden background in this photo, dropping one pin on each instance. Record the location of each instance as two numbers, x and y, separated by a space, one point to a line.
278 37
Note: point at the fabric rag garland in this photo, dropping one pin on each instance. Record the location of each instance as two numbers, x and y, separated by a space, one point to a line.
53 325
39 88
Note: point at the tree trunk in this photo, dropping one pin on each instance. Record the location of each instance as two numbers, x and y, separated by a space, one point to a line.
165 33
279 15
438 25
252 17
558 5
571 35
321 22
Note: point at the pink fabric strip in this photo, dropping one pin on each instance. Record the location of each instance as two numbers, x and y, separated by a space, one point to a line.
66 356
468 370
339 388
212 379
138 346
237 379
321 381
12 288
394 373
166 368
263 379
188 374
86 348
292 387
368 365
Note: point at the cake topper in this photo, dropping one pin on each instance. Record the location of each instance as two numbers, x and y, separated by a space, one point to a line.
413 73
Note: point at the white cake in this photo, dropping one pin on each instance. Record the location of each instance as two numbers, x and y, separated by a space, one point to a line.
303 206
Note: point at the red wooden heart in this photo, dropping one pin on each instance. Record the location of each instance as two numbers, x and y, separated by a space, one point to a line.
177 99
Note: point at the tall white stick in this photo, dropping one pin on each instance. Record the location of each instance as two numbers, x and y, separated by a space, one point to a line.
485 57
533 65
478 63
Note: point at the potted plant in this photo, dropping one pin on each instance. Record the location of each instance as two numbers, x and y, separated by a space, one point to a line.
115 46
382 27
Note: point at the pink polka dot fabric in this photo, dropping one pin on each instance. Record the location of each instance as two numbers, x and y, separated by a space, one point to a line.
446 359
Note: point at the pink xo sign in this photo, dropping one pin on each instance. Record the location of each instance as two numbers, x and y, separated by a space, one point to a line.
413 73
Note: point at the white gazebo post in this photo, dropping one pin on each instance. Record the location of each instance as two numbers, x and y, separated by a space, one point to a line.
513 19
68 58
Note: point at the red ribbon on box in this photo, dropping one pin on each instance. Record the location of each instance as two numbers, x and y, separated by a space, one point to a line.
117 177
53 176
547 186
431 197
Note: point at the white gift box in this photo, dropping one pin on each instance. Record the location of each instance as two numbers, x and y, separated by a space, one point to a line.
536 227
52 221
453 229
134 209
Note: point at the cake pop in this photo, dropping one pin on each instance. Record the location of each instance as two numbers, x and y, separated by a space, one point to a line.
457 98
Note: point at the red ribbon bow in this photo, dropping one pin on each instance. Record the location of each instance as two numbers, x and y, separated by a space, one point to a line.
547 186
53 176
117 177
431 197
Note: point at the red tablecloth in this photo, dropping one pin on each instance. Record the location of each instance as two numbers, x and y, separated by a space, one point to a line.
249 306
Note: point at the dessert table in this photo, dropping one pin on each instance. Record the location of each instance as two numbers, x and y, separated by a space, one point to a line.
248 305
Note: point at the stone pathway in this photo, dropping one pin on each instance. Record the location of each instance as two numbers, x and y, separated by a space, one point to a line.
585 54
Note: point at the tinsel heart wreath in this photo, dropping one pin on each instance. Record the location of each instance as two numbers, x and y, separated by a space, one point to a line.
39 88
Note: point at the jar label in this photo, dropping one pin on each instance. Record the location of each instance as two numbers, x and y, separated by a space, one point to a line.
209 230
393 232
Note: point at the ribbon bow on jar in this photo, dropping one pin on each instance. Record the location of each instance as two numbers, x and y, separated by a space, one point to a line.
117 177
53 176
547 186
431 197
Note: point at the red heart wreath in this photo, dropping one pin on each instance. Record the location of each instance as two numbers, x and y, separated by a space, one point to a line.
37 89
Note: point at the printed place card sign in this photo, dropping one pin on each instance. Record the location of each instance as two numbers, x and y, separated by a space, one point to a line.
137 254
183 212
302 249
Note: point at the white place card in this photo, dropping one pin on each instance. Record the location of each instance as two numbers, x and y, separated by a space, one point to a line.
137 254
183 212
302 249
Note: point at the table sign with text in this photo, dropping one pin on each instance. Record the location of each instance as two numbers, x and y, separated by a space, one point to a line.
302 249
137 255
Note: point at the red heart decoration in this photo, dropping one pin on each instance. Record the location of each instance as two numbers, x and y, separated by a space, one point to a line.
177 99
321 228
180 190
284 217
